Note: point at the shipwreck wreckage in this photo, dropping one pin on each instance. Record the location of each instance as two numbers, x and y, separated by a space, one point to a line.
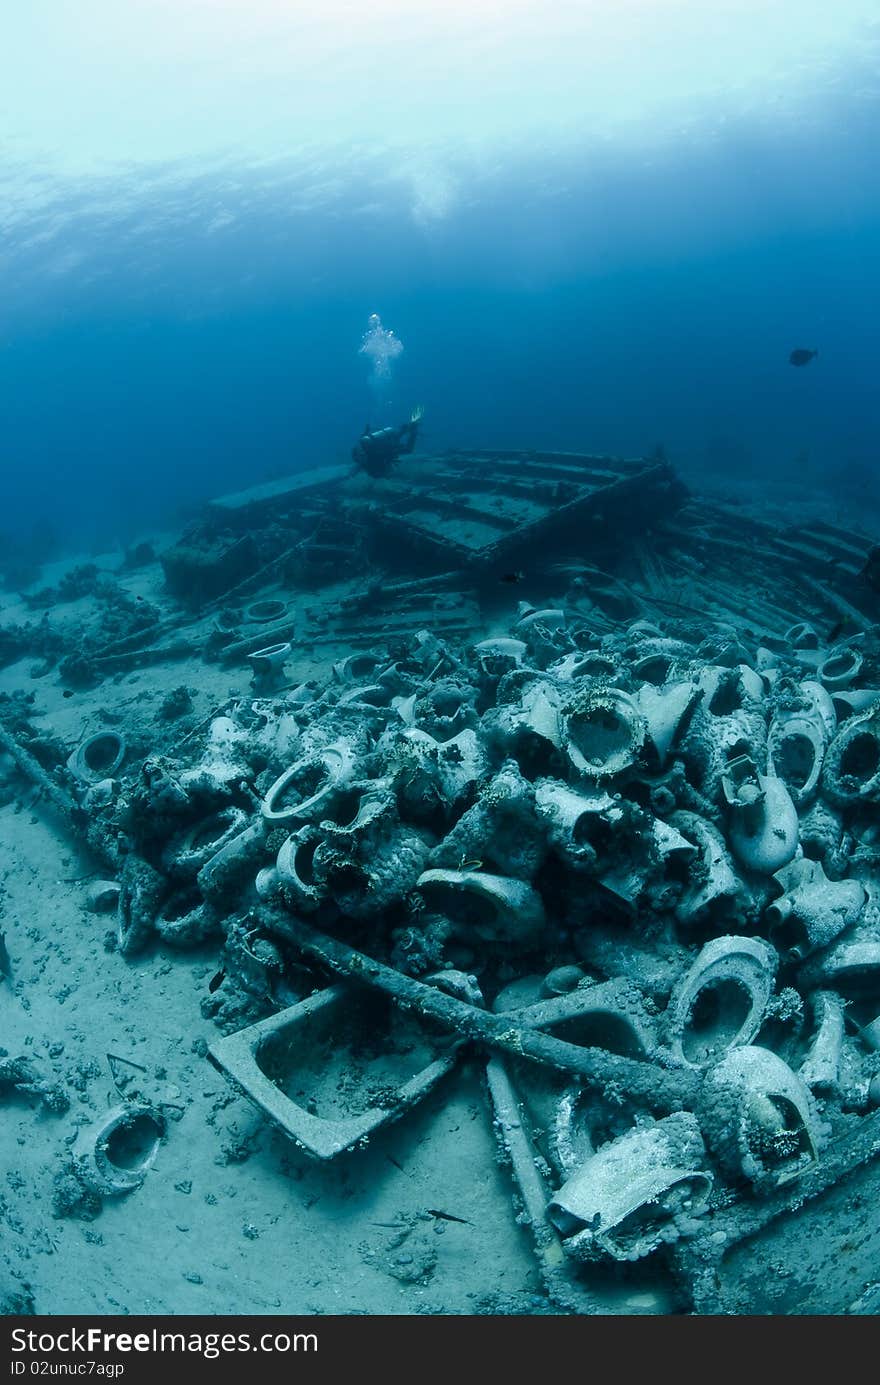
621 839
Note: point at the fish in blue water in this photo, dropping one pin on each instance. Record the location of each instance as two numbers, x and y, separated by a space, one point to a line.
801 356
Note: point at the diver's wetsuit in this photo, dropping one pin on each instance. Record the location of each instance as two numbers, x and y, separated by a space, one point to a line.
376 453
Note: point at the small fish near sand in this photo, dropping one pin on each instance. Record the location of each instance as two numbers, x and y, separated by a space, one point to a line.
447 1216
801 356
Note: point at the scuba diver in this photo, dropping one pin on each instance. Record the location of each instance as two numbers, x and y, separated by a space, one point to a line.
376 452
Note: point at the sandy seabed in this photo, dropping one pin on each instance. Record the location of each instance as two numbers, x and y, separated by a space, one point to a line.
232 1218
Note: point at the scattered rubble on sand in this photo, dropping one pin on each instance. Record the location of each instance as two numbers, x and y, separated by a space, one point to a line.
617 842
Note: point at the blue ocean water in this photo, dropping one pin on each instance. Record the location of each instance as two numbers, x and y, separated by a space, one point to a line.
173 327
232 232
